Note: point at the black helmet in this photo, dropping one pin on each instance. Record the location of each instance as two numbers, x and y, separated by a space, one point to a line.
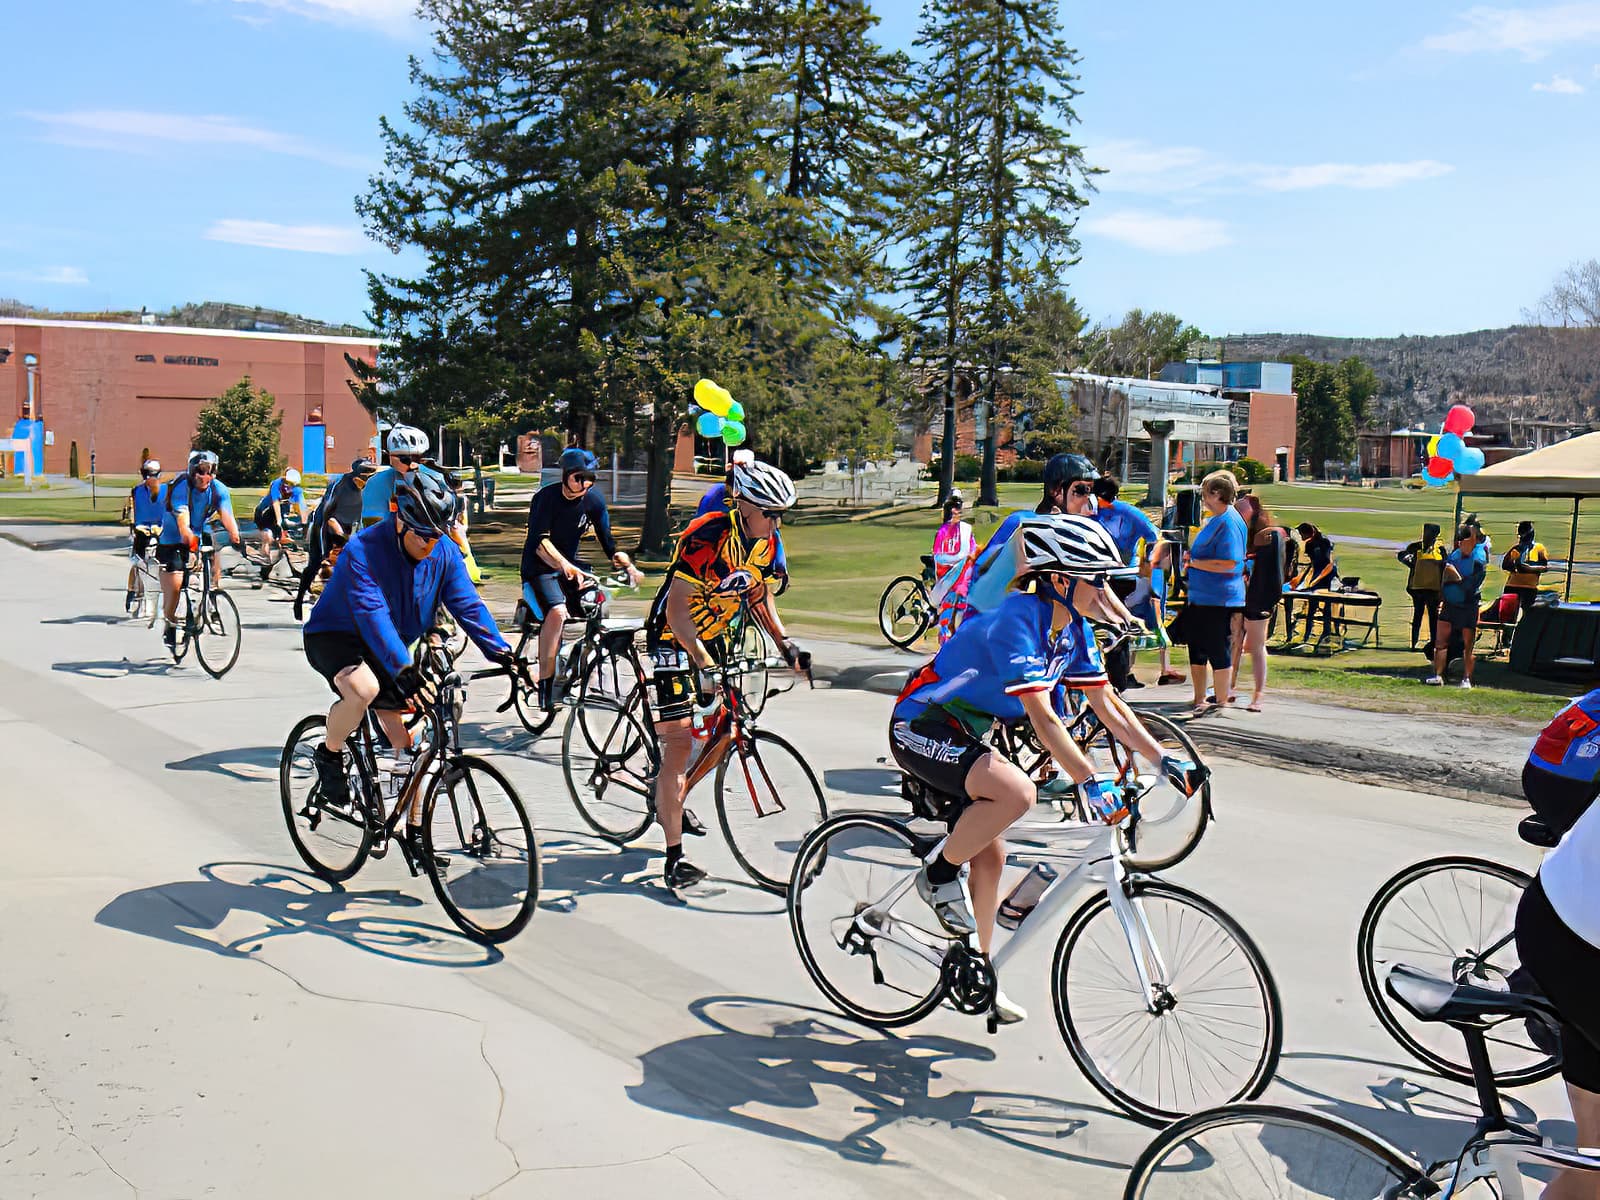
361 468
424 505
1063 469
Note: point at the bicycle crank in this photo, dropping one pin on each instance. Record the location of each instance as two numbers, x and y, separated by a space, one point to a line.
969 979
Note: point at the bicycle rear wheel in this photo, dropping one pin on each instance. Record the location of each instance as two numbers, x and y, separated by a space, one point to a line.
768 800
1170 824
134 605
218 635
1217 1028
1454 917
1269 1152
332 838
904 611
610 760
867 940
483 855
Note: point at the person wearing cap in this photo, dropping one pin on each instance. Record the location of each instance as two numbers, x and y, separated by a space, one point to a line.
335 519
145 514
716 500
283 492
558 516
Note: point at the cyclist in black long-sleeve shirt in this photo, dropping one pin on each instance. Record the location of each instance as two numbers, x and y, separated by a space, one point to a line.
558 517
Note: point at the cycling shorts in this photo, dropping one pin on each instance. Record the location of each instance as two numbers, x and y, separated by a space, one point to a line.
141 542
267 520
1567 969
175 558
937 749
333 651
673 679
545 592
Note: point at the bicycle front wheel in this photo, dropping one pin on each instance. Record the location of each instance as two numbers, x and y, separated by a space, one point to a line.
482 853
904 611
1454 917
525 697
331 837
1170 824
866 938
1269 1152
610 760
754 680
1208 1031
768 800
217 635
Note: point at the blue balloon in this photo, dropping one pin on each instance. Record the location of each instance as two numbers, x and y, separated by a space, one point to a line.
1451 447
1432 482
1471 461
709 424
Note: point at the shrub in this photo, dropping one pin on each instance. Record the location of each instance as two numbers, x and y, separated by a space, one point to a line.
1027 470
242 427
1250 470
969 468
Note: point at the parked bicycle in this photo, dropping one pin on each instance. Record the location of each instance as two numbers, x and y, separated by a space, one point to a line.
478 845
1262 1151
767 796
906 609
1163 1001
208 619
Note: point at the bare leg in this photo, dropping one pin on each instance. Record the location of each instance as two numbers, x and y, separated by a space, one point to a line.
358 688
1441 647
171 587
986 867
1469 644
1197 676
1580 1185
550 640
1238 642
1001 794
1255 633
675 746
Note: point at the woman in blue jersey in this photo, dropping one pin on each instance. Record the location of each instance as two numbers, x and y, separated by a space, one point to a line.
1015 661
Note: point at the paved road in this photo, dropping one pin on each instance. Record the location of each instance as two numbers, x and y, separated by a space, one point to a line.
184 1012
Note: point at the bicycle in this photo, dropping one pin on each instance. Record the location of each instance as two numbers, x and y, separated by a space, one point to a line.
144 577
289 551
611 757
1141 969
906 609
1455 916
1251 1151
210 620
478 845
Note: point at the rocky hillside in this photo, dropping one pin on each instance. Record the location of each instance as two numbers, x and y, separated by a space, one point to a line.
209 314
1535 372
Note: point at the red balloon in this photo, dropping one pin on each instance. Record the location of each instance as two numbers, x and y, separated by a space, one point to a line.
1458 420
1440 468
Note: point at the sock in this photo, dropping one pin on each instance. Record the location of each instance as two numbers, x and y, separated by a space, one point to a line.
941 871
674 853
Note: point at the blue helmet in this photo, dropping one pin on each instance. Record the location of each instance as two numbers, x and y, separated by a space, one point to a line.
573 458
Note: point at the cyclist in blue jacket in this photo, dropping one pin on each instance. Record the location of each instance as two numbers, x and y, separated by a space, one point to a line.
383 595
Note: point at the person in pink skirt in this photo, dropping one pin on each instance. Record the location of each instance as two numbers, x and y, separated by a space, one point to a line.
954 551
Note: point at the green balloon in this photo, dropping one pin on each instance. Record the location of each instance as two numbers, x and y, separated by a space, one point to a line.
732 432
735 411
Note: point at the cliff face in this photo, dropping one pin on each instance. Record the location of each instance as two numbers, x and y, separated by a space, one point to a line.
1529 371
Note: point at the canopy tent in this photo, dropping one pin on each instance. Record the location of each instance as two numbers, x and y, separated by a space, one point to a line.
1569 468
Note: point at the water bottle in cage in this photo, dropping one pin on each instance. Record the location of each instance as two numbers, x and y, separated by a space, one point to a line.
1024 898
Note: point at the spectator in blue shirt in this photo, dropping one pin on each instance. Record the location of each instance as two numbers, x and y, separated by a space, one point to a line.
1215 565
1129 527
1464 569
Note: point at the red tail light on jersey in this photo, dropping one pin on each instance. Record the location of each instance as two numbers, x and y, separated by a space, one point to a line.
1559 735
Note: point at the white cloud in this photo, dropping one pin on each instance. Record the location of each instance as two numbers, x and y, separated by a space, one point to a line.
1133 166
72 276
392 16
1530 32
1365 176
1159 234
1560 85
311 239
124 129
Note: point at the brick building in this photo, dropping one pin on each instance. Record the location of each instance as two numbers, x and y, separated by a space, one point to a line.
121 388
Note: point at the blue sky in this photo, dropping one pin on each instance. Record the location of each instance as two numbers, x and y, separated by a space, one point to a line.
1363 168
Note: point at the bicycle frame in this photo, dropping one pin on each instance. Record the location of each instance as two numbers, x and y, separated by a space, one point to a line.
1498 1159
1097 863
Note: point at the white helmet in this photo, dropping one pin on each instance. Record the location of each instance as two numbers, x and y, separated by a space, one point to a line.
292 477
151 468
1075 546
762 484
407 439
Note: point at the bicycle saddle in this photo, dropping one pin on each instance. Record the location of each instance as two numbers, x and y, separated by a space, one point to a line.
1538 832
1429 998
622 624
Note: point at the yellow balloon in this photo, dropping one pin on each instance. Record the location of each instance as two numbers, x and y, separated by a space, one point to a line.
702 390
1433 446
712 398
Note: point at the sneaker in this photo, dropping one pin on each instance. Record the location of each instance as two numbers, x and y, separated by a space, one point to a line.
169 635
1466 685
128 603
682 874
1007 1011
547 695
691 824
1168 678
1131 684
949 903
330 774
1433 681
265 571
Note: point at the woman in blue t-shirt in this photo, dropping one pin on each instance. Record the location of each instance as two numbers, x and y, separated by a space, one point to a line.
1215 564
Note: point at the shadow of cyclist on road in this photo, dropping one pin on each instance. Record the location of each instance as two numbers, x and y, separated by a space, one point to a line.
767 1055
235 908
574 869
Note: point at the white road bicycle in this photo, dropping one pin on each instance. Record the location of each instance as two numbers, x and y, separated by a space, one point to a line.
1164 1002
144 577
1271 1152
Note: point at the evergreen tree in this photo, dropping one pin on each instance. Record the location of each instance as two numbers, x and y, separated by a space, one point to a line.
1325 426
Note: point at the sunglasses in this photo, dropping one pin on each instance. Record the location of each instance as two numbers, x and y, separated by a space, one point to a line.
422 535
205 472
583 477
1081 489
409 460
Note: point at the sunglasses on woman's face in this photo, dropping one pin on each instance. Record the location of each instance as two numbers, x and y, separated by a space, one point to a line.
1082 489
409 460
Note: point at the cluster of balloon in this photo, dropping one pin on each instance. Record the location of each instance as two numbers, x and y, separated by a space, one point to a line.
1448 452
715 413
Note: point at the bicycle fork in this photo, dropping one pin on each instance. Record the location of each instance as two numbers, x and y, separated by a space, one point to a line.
1147 961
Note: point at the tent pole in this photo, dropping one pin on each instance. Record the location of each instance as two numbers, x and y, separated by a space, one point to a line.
1572 547
1459 499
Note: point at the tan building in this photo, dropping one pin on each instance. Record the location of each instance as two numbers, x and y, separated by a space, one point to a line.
119 389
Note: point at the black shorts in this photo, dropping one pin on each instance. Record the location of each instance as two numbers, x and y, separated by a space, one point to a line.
1208 632
332 651
1459 616
1567 969
673 678
266 521
937 749
141 542
176 558
545 592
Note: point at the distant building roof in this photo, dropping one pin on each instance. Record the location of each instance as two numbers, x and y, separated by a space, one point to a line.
137 327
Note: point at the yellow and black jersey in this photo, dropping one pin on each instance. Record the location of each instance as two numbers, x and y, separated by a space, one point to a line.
723 566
